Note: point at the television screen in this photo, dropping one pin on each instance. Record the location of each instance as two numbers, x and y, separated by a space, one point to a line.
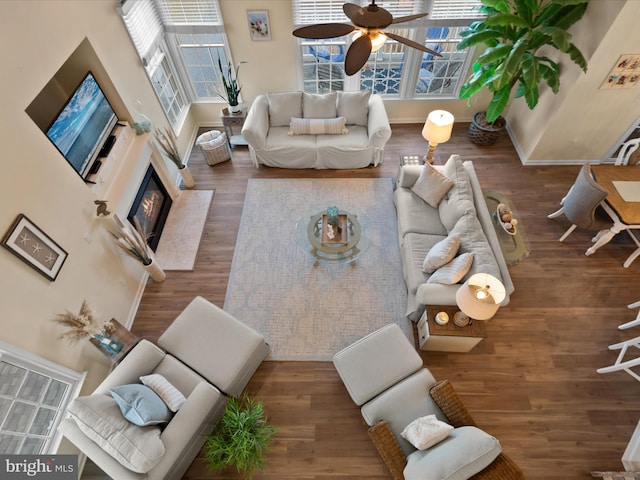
83 126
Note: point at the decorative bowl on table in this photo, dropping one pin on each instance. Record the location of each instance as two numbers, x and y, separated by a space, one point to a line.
505 218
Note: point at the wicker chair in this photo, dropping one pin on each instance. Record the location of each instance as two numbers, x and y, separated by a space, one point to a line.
443 393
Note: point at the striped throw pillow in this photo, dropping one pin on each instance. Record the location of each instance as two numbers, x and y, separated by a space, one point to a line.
167 392
318 126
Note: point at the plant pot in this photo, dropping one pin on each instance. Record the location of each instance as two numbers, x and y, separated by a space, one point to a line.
155 271
235 108
187 178
483 133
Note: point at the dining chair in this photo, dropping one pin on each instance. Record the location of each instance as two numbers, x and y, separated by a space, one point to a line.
632 323
626 151
580 205
621 364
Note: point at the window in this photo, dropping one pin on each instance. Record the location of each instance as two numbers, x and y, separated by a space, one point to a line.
179 42
395 70
34 394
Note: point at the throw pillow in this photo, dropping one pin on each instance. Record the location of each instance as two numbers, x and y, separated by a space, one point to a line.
453 271
165 390
354 106
315 105
318 126
140 405
425 432
283 106
431 186
441 253
137 448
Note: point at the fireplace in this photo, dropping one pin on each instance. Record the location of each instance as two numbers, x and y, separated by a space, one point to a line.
151 206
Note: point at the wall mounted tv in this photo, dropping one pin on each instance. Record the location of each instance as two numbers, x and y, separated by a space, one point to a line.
82 130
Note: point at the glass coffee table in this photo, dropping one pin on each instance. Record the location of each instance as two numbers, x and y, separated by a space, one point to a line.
344 245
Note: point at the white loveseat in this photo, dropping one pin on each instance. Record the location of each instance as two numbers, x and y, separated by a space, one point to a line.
461 210
272 120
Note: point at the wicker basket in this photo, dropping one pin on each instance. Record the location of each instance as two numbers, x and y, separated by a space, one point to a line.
482 133
214 147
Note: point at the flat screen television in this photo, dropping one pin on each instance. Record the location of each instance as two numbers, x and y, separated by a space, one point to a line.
82 130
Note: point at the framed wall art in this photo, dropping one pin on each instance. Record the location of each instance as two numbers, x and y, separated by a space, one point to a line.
34 247
259 27
625 73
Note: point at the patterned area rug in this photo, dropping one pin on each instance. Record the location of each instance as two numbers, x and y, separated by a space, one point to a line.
309 312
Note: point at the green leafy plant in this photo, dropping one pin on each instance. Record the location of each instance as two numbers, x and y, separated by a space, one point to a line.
514 31
241 437
230 83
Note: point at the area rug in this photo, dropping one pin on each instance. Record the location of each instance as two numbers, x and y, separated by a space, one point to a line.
309 312
180 240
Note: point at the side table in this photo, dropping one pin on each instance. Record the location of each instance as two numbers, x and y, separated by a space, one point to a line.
411 159
449 337
118 333
231 120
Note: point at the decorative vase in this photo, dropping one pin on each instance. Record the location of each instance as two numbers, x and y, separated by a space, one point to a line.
155 271
332 216
187 178
237 108
483 133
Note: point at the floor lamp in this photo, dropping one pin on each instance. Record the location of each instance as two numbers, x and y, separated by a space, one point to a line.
478 298
437 129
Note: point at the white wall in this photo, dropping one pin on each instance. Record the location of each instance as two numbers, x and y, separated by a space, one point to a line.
38 38
582 122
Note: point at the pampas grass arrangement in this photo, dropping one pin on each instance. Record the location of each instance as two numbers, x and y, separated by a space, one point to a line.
132 241
169 145
81 325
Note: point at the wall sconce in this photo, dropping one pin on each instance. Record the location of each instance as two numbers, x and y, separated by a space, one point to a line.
437 129
478 298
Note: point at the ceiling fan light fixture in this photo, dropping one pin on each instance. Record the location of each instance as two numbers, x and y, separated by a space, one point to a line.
377 39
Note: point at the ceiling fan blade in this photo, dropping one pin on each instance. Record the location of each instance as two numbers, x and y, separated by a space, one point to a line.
357 55
324 30
408 18
351 9
411 43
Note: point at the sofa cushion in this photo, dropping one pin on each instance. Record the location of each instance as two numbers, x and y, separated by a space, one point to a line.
283 106
459 199
415 216
140 404
137 448
431 186
473 240
412 252
354 106
165 390
316 105
425 432
453 271
465 452
441 253
317 126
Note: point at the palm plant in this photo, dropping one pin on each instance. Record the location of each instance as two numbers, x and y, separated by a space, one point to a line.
241 438
514 31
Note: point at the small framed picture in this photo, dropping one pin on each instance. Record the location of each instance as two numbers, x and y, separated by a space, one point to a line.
259 27
625 73
34 247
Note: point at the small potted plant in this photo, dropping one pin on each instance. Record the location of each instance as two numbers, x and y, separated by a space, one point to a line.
514 33
231 87
241 438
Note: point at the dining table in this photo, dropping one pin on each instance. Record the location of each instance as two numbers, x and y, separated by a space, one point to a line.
622 204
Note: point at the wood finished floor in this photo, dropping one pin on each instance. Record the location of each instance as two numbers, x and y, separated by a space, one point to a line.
532 383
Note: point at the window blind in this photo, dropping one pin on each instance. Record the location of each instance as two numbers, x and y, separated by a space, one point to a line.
189 12
143 24
306 12
448 9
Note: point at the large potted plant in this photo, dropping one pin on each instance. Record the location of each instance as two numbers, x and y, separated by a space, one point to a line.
241 437
231 87
514 32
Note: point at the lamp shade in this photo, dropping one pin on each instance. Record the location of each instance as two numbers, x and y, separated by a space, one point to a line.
438 127
480 296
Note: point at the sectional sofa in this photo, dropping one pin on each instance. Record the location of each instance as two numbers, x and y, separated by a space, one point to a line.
426 226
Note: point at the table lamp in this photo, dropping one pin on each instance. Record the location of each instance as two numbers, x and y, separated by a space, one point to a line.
478 298
437 129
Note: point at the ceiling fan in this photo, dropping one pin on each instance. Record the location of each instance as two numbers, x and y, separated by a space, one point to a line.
369 23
